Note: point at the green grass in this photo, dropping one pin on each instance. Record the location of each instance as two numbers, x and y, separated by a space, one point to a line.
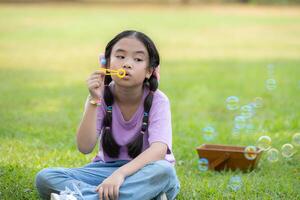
208 54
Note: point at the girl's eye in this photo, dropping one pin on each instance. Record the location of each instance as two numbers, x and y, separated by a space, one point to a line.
120 57
138 59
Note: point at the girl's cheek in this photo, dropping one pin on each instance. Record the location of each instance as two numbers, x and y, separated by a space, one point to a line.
115 64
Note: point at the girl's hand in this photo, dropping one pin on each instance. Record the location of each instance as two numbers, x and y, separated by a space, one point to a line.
109 188
95 83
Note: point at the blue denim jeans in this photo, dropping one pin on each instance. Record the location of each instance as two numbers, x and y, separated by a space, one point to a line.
147 183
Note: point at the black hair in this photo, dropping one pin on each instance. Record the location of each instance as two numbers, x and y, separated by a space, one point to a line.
109 144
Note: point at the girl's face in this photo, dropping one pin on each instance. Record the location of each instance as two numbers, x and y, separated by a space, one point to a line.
130 54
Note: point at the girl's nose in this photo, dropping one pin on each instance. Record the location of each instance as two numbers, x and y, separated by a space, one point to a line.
127 67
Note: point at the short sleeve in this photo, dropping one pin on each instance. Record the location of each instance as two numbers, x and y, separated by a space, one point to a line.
160 128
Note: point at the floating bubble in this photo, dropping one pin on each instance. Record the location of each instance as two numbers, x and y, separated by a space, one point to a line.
273 155
264 142
103 61
232 103
235 183
209 133
287 150
203 164
249 128
240 122
271 84
258 102
250 152
247 111
296 139
252 104
271 68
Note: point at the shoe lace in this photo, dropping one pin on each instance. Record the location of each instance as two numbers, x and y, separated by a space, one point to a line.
67 193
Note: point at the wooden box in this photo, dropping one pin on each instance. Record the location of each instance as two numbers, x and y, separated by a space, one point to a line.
224 157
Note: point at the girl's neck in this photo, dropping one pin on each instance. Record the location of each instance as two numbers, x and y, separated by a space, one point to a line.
128 96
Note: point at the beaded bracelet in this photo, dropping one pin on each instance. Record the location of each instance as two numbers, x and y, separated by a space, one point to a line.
94 101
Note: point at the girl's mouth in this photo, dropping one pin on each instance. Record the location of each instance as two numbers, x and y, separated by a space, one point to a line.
127 74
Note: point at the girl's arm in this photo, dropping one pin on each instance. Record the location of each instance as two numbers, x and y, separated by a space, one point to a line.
86 133
156 151
160 130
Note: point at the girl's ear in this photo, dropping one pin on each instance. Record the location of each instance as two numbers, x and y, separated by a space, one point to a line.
149 72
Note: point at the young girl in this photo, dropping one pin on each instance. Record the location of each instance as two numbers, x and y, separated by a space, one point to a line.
132 118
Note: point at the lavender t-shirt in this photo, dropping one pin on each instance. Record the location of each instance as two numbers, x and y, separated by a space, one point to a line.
159 128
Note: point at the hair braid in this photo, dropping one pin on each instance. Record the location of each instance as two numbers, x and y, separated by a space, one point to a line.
135 147
109 144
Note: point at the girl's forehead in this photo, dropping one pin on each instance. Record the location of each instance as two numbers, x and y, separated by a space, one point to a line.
130 45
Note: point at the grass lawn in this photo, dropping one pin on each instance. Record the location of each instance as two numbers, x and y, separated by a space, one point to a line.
208 53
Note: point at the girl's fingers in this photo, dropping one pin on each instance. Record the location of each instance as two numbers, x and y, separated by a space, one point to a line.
105 193
95 76
94 84
116 192
94 80
98 72
101 74
100 192
111 193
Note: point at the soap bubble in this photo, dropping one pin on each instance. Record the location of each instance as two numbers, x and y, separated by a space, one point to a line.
103 61
250 152
271 84
235 183
252 104
271 69
273 155
209 133
239 122
247 111
249 127
203 164
264 142
258 102
232 103
287 150
296 139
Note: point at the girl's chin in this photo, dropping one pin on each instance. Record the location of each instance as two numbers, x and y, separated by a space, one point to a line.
123 82
127 83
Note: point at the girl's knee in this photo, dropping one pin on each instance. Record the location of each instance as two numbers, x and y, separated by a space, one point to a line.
166 167
41 176
44 176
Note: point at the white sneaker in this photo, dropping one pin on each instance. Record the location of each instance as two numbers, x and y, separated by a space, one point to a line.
162 196
55 196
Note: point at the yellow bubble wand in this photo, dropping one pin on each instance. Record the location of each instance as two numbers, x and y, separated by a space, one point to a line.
121 73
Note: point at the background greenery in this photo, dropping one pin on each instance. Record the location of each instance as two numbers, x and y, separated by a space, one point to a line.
182 2
208 53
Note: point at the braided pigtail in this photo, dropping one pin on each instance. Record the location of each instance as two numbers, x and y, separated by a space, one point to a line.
109 144
135 147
